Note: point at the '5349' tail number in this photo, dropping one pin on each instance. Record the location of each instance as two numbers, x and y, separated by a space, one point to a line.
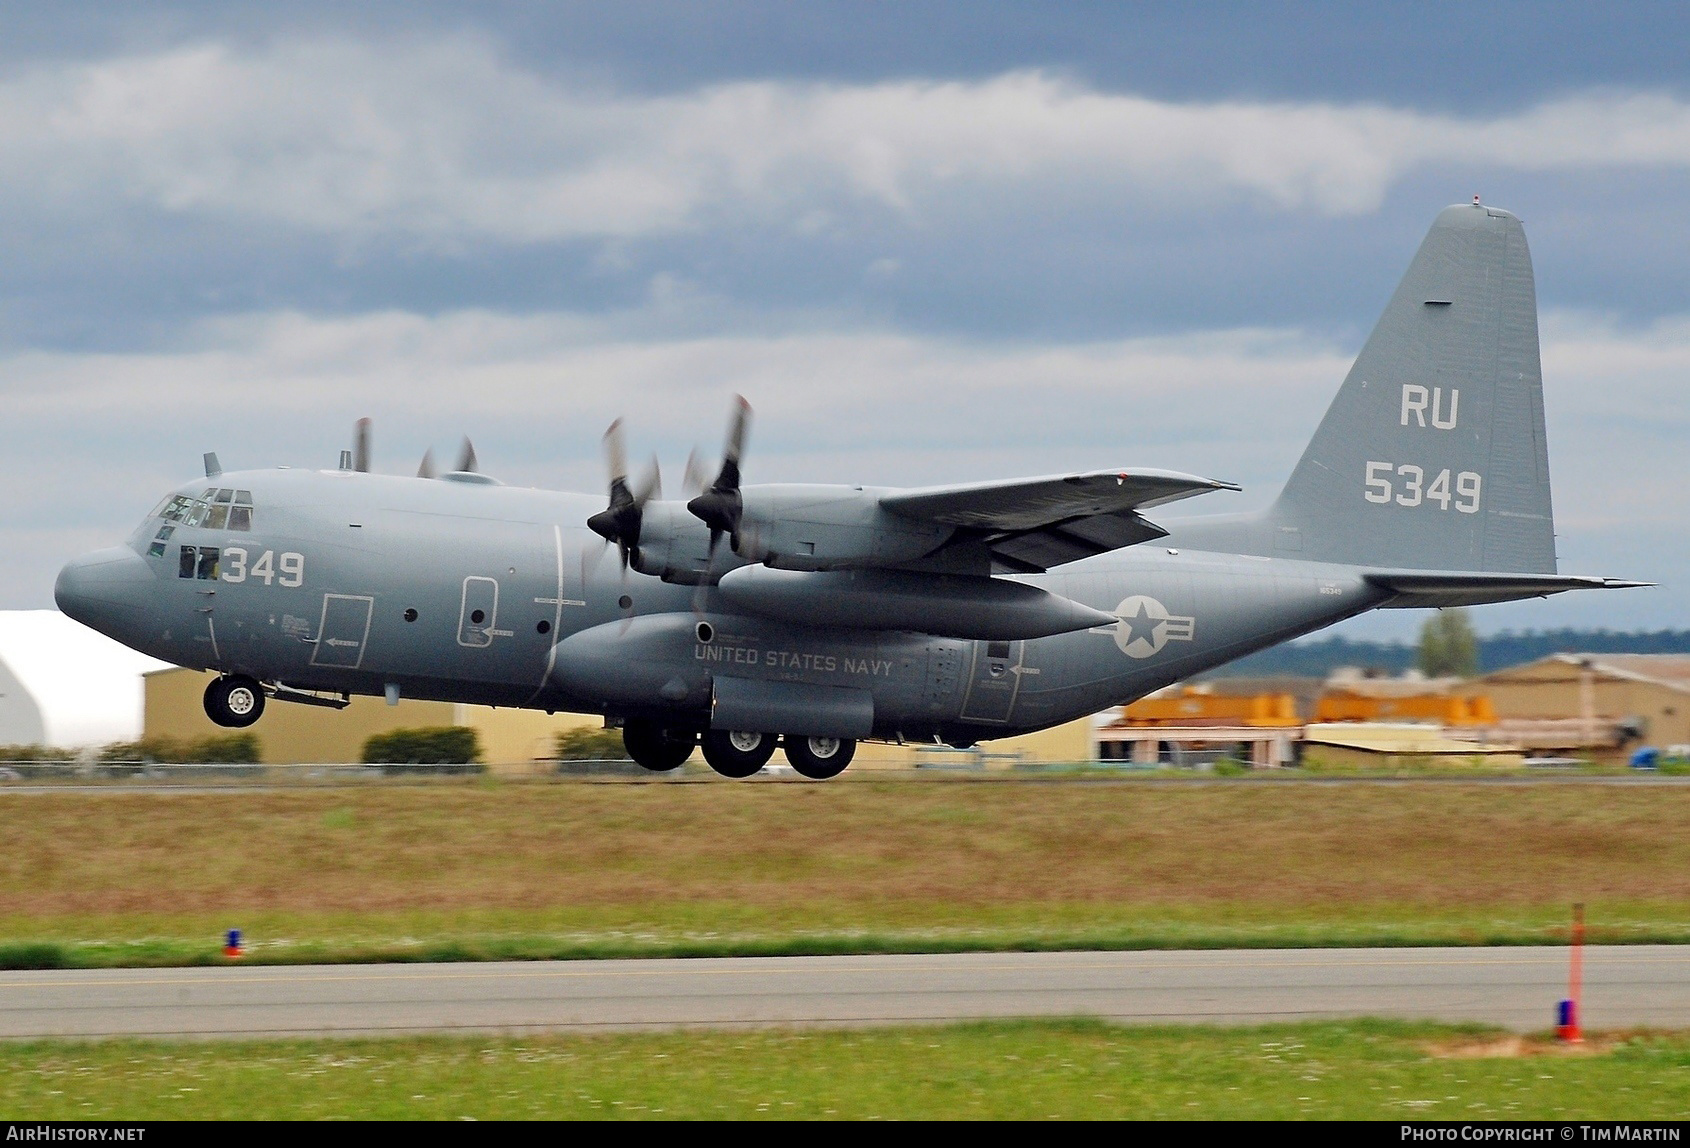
1415 490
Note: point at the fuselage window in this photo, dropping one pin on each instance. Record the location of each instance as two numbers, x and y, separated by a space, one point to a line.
163 535
198 562
240 518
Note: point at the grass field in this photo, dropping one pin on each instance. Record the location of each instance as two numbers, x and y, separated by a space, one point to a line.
1026 1069
473 868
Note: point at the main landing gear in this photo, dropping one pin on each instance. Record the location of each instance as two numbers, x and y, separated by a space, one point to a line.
819 758
234 701
656 747
735 753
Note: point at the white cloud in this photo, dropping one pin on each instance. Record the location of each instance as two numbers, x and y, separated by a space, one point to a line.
444 141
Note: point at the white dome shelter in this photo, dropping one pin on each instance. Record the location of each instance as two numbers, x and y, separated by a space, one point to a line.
62 684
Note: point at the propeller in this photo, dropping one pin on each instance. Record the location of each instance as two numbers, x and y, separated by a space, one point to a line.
692 480
466 457
720 507
361 446
427 468
620 521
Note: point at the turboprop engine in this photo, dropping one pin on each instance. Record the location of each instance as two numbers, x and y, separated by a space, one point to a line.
852 558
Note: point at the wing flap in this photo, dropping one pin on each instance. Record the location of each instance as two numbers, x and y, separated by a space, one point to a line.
1032 503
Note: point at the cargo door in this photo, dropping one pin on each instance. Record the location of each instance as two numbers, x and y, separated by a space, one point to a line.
993 682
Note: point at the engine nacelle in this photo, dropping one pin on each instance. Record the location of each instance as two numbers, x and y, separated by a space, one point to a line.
788 527
805 527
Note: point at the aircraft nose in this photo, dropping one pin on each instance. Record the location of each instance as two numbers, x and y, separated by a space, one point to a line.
105 590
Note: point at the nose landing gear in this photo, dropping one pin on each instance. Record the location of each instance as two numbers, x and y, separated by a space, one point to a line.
234 701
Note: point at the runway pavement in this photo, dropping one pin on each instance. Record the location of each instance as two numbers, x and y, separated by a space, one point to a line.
1625 986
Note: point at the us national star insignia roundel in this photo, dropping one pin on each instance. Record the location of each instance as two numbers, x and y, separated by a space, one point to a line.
1145 626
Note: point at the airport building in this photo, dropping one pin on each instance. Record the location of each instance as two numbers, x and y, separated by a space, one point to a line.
64 685
1599 698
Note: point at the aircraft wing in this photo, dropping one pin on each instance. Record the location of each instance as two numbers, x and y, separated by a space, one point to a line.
1032 524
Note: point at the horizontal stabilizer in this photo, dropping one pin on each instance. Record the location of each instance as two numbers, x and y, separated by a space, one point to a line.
1421 589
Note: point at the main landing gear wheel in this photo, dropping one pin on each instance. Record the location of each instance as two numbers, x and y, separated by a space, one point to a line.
656 747
235 701
819 758
736 753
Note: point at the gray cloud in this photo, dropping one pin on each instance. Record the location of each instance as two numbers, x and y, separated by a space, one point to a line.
445 142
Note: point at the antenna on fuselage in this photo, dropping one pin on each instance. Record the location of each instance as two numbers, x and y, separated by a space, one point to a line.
213 468
361 446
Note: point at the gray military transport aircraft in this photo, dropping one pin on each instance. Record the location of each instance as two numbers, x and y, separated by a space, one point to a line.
949 614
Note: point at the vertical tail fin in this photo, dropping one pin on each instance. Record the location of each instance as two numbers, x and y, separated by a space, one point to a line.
1433 454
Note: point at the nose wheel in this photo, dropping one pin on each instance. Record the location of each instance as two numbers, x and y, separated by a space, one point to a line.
737 753
234 701
819 758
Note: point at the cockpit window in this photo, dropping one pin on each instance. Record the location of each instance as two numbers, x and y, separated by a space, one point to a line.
219 509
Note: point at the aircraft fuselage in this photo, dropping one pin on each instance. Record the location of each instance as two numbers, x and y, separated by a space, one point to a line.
466 591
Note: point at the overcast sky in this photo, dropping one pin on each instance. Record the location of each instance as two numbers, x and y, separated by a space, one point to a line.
929 241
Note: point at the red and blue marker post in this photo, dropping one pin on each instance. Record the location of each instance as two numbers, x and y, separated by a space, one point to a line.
1569 1012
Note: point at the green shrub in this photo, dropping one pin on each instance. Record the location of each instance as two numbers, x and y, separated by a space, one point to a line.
218 749
430 745
32 753
587 744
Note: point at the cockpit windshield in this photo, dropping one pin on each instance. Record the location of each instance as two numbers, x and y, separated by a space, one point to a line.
217 508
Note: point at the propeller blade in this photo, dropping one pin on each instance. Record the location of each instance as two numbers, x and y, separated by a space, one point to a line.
628 610
427 469
361 446
735 445
614 456
692 480
466 456
651 485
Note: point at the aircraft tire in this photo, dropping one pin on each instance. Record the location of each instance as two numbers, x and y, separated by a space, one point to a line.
234 701
656 747
737 754
819 758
